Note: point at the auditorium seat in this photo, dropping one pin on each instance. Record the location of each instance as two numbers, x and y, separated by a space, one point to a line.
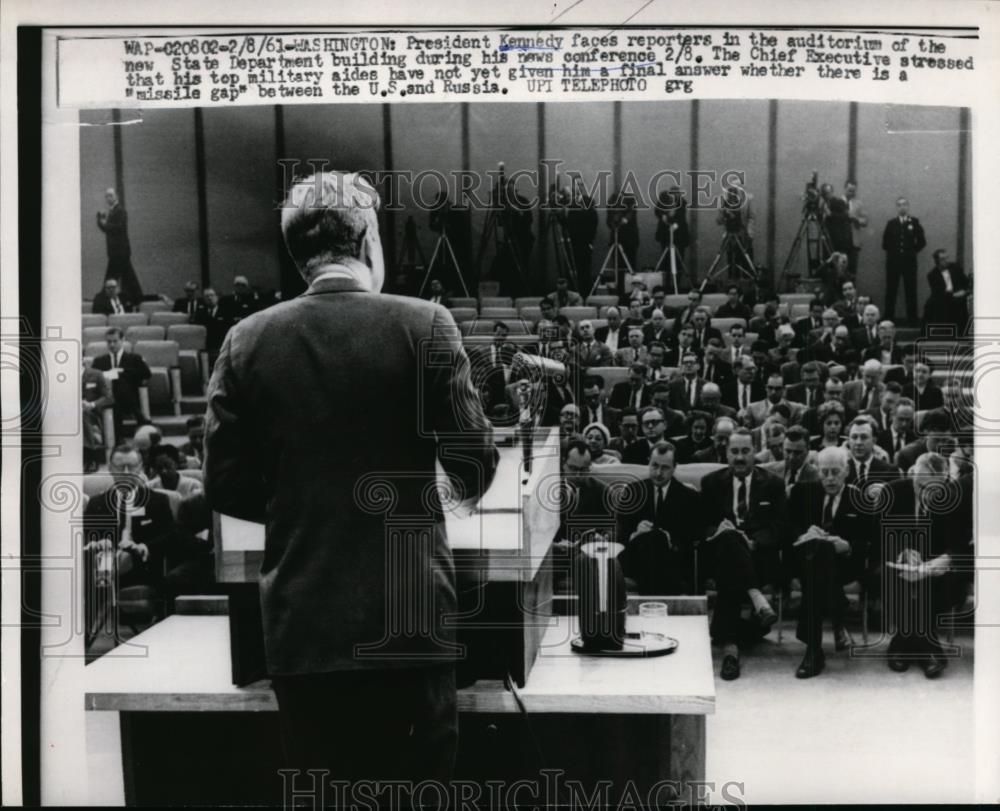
126 320
723 324
602 301
579 313
145 333
748 338
798 310
461 314
93 320
150 307
758 309
463 302
498 312
489 288
165 319
713 300
796 298
485 326
649 278
599 322
527 301
91 335
164 386
192 355
530 314
496 301
675 301
611 375
94 349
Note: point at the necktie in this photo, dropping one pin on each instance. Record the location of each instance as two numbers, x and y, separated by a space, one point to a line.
792 476
638 399
118 360
116 305
191 306
741 502
657 500
809 398
828 513
899 442
862 473
867 402
745 397
690 392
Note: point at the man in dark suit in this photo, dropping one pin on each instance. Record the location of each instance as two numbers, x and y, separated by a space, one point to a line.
924 392
885 351
902 239
595 408
491 365
886 410
903 375
589 351
733 306
584 509
710 401
190 304
833 533
745 388
127 371
613 335
674 357
114 224
718 451
243 301
900 431
804 327
657 329
660 522
747 520
795 467
865 336
131 524
109 301
300 431
703 330
581 227
628 430
948 303
684 317
215 321
864 467
714 367
865 394
632 393
675 421
809 390
653 424
935 437
926 536
685 391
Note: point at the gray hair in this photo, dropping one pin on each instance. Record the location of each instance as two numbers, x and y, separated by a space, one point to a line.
837 455
326 217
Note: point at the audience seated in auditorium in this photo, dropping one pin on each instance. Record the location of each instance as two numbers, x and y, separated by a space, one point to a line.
97 398
661 522
436 294
164 460
866 336
809 390
924 392
589 351
632 393
865 394
865 465
686 315
760 410
243 301
110 301
900 432
772 438
127 371
747 524
834 530
745 388
888 401
697 429
563 296
733 306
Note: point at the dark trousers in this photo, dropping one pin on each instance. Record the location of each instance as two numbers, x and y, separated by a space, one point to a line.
370 724
735 569
823 574
912 611
583 257
904 268
852 264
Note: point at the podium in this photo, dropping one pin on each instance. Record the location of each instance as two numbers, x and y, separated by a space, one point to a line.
502 554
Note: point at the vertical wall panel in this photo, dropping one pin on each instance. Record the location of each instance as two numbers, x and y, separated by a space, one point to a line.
97 173
162 199
655 138
242 214
911 152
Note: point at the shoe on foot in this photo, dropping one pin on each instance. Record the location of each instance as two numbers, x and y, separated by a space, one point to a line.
730 667
811 665
841 639
765 616
898 665
934 666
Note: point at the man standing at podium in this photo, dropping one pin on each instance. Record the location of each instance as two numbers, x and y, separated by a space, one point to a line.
304 433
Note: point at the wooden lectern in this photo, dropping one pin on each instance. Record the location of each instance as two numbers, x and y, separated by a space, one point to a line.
502 556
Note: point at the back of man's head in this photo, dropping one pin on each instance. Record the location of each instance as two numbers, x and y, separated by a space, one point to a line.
329 217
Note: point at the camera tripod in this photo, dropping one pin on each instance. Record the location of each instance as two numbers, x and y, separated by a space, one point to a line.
497 229
615 252
818 248
675 260
737 257
562 246
443 251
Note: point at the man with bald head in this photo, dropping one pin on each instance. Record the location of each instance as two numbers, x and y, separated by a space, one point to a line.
633 352
833 534
866 335
302 431
865 394
885 350
611 335
710 401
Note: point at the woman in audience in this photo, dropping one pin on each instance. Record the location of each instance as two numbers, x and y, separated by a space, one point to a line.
830 417
598 437
697 425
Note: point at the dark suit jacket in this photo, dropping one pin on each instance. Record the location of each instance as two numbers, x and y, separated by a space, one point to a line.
588 509
875 352
235 309
877 471
181 306
649 334
730 392
154 527
718 372
102 304
884 441
741 310
622 395
637 453
133 373
931 398
601 334
216 326
709 333
853 521
902 244
300 434
656 565
710 454
767 520
678 393
947 531
115 228
862 339
685 449
796 393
